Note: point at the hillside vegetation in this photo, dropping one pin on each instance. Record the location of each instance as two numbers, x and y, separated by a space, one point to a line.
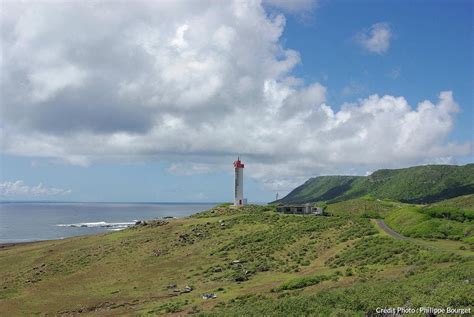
451 219
253 260
367 207
420 184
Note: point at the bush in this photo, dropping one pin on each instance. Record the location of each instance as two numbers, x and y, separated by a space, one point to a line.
371 214
303 282
386 250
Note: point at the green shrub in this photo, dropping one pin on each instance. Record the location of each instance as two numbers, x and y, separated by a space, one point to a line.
302 282
384 251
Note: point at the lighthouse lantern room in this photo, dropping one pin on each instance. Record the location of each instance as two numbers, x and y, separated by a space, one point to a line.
239 183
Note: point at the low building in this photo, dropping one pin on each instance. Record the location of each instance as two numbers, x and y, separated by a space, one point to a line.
304 209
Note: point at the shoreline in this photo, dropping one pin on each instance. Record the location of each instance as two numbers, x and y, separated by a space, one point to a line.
98 224
8 245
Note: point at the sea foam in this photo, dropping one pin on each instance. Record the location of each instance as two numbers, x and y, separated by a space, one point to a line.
100 224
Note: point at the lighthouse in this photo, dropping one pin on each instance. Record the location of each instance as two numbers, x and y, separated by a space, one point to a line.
239 183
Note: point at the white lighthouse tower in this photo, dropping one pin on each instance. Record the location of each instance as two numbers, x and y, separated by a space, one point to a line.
239 183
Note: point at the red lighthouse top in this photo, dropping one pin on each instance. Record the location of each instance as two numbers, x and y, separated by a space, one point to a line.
238 164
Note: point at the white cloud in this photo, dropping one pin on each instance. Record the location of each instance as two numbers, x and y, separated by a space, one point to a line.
294 6
193 84
375 39
20 189
49 81
187 169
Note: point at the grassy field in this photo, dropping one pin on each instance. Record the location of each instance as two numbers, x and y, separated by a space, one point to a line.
256 261
451 219
367 207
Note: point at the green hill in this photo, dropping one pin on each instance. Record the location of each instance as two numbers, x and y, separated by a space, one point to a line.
420 184
255 261
367 207
461 202
449 219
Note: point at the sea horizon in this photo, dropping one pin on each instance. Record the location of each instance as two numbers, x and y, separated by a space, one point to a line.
109 202
28 221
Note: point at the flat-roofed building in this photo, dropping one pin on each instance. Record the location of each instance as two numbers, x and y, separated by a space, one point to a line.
301 209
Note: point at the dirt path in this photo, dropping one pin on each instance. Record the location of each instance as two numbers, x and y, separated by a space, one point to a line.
435 245
389 230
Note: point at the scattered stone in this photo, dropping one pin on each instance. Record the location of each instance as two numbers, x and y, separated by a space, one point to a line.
188 289
171 285
151 223
209 296
236 262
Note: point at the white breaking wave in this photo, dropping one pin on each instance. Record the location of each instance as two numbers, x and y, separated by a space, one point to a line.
101 224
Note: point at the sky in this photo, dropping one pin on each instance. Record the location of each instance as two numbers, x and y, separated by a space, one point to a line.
152 101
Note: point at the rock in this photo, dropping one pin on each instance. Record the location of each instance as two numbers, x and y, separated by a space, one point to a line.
171 285
188 289
209 296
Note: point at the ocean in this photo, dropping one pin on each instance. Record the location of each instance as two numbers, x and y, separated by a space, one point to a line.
28 221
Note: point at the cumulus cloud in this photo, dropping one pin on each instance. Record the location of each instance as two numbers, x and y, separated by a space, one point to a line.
20 189
194 84
295 6
188 169
375 39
